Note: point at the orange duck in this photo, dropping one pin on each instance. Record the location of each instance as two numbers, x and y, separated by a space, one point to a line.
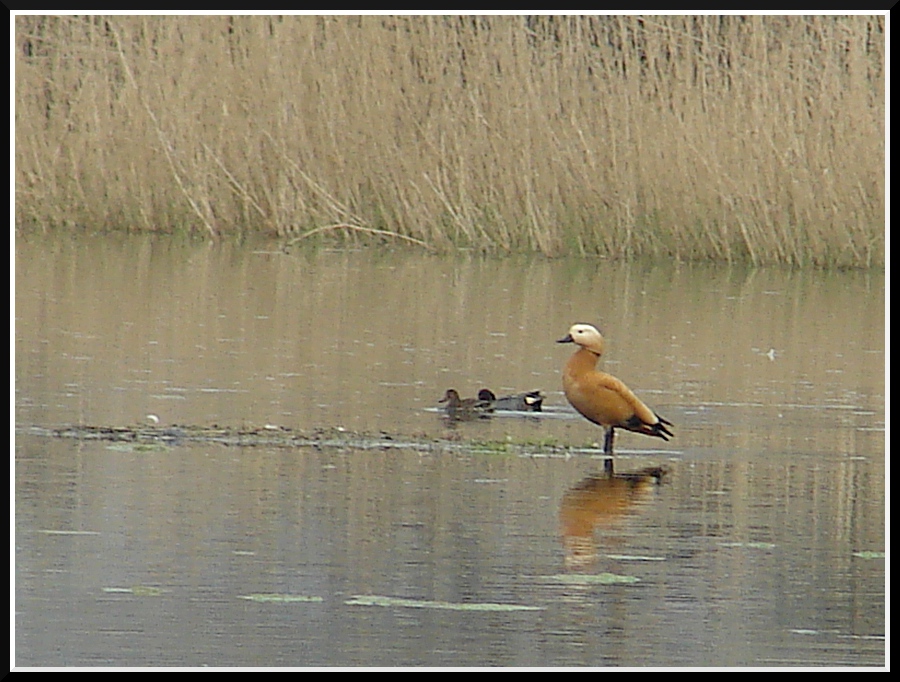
602 398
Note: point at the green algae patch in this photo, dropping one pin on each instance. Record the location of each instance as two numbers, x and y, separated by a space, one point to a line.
281 598
376 600
749 545
136 590
594 579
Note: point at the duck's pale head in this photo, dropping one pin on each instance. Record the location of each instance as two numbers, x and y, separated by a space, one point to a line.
585 335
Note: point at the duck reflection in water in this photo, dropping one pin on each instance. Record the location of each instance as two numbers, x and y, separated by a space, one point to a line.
600 502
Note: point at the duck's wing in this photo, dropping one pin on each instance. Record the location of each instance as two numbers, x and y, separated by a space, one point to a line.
622 408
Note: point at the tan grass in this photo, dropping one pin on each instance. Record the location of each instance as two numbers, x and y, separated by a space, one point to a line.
754 139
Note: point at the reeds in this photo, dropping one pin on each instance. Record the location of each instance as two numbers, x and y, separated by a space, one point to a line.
755 139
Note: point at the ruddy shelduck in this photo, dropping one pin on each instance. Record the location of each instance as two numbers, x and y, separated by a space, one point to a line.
602 398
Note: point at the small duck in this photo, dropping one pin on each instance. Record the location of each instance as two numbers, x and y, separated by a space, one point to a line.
522 402
469 408
602 398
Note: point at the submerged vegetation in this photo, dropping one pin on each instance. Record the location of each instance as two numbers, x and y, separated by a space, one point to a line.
754 139
154 438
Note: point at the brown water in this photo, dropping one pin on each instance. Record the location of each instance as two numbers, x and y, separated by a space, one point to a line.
751 551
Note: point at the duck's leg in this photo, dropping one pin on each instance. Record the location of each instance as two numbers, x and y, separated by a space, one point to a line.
608 441
608 468
608 450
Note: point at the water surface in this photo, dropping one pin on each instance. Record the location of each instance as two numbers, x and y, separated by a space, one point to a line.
758 547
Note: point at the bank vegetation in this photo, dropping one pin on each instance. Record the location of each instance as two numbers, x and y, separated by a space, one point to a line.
743 139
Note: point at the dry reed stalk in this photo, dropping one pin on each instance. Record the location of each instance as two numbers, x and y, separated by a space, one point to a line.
357 228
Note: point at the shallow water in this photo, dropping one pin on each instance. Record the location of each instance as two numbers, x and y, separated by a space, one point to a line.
757 548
